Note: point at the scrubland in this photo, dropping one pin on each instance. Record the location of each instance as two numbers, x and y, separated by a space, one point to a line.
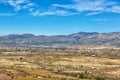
60 64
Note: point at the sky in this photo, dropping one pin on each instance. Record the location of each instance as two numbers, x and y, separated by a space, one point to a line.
58 17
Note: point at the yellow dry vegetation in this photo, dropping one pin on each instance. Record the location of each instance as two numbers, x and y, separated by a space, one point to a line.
62 65
31 78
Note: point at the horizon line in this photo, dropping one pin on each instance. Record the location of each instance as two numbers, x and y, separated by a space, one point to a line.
56 34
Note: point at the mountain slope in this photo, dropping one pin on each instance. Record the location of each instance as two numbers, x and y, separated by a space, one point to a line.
73 39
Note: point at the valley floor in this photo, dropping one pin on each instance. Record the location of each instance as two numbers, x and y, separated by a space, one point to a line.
60 64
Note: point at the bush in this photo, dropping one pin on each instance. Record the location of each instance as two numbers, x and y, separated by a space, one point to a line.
98 78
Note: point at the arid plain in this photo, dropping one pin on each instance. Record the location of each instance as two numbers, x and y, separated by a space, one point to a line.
60 64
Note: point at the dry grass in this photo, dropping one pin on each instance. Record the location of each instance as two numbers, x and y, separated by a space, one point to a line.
61 65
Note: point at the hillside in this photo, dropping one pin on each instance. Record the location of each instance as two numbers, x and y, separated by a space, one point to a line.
72 39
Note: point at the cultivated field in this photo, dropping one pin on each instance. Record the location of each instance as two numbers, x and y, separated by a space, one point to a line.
59 64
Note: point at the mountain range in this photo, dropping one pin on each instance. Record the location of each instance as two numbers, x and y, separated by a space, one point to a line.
80 38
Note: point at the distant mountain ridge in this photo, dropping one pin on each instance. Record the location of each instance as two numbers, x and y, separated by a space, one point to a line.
72 39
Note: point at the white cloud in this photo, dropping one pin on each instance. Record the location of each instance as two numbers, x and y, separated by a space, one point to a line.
28 6
52 12
91 7
114 9
21 1
35 13
15 4
18 4
93 13
84 5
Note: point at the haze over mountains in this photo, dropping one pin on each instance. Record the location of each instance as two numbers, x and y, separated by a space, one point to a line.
72 39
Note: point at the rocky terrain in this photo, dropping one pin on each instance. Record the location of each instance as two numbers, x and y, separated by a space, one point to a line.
84 38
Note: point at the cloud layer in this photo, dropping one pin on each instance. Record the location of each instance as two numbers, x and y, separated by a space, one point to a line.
89 7
92 7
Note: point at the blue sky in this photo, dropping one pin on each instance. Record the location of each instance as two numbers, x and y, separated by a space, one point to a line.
53 17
